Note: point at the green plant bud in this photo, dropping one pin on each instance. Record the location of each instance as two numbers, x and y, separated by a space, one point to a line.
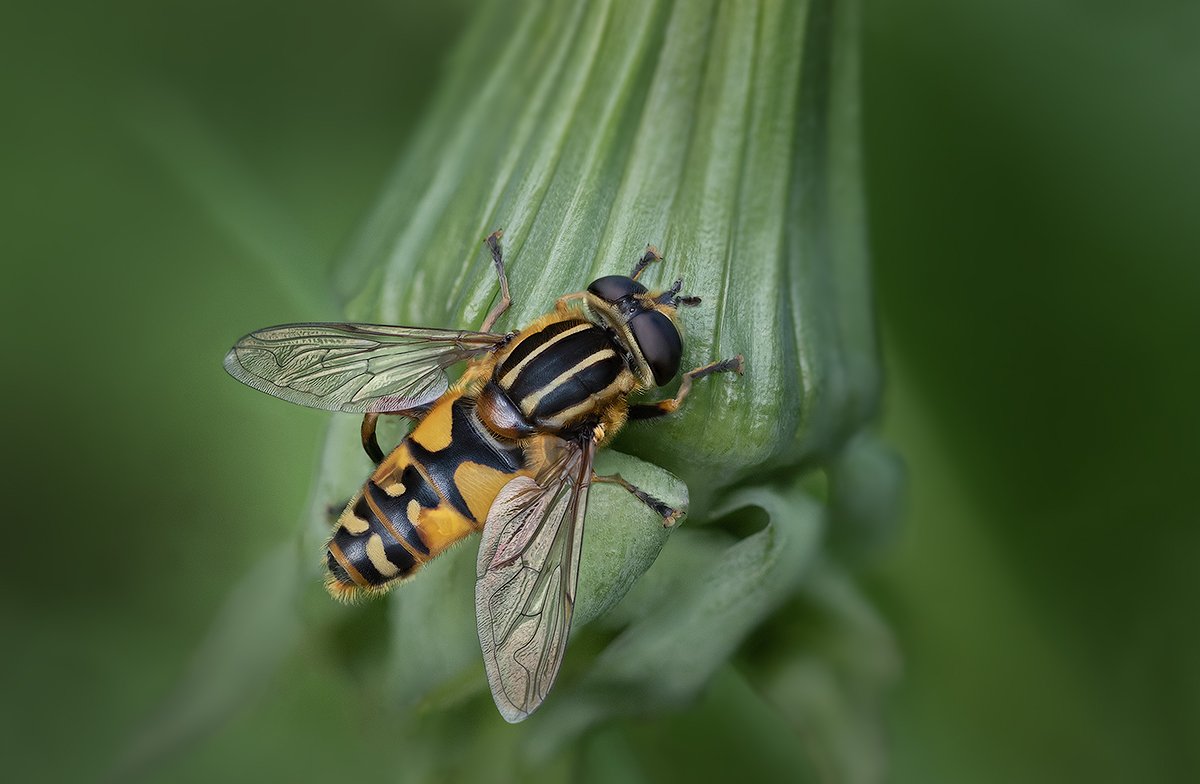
725 134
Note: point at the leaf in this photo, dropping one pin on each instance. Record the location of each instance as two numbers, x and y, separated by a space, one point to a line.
665 658
825 664
726 134
866 496
623 536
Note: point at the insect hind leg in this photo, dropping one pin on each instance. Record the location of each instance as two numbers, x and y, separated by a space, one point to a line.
370 439
668 513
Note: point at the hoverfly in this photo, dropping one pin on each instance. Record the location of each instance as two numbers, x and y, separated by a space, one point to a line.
508 449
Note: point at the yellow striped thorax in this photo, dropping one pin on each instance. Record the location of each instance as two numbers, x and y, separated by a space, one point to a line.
556 375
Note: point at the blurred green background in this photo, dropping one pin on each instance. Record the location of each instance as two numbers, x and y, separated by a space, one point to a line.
1032 185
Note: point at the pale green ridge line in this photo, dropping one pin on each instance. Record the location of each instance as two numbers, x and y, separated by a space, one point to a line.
840 425
442 188
727 261
651 146
856 299
364 253
694 128
522 147
537 174
794 393
704 167
735 212
462 226
575 90
756 220
611 114
460 157
819 270
798 232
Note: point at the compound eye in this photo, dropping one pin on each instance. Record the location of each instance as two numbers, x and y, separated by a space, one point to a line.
612 288
660 343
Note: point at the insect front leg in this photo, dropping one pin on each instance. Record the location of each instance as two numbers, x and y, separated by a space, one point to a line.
648 258
663 407
493 243
669 514
563 303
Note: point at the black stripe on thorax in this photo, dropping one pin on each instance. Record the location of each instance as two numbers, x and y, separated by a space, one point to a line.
534 341
579 387
560 358
470 441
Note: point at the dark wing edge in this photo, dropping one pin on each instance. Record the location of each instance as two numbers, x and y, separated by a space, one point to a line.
527 572
353 368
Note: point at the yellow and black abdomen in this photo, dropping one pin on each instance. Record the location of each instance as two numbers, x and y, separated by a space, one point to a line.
431 491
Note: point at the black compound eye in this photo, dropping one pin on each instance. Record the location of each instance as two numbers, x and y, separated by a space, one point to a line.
660 343
611 288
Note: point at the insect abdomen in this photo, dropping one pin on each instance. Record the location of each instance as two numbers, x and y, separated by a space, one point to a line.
431 491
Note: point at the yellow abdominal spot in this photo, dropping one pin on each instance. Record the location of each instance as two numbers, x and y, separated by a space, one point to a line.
441 527
434 431
352 522
479 486
379 557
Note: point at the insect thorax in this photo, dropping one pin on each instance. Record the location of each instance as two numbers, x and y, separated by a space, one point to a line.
554 377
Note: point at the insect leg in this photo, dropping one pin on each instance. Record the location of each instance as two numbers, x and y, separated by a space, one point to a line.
669 514
648 258
562 305
370 440
673 298
493 243
664 407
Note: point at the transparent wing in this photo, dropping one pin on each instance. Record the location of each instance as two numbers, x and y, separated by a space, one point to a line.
527 572
356 368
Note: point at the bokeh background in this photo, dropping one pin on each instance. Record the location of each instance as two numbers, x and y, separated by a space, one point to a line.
1032 185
